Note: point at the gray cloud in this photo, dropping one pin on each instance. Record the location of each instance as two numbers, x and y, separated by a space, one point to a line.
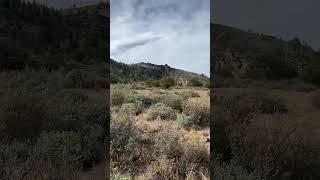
285 18
173 32
67 3
129 45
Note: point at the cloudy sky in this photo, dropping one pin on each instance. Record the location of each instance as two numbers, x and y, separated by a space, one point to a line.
173 32
67 3
285 18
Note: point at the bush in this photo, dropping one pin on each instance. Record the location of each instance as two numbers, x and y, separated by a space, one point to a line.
173 101
269 104
131 108
117 97
184 120
163 168
311 74
23 114
196 152
123 139
194 82
188 94
168 143
199 114
163 111
116 175
271 65
152 83
76 78
60 149
166 82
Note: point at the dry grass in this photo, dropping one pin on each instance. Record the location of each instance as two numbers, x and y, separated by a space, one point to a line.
163 163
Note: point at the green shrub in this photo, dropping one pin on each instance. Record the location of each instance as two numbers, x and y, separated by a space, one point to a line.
117 97
122 133
167 82
194 82
199 114
123 139
153 83
163 111
131 108
173 101
190 93
184 120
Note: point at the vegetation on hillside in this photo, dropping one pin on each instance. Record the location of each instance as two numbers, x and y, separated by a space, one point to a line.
240 54
52 68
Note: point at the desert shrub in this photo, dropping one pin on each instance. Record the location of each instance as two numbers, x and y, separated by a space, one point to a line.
144 101
117 97
76 78
194 82
152 83
73 95
116 175
311 74
173 101
195 152
269 104
190 93
184 120
12 167
167 82
230 117
199 114
271 65
222 170
285 156
123 139
23 114
60 149
163 168
131 108
168 143
162 111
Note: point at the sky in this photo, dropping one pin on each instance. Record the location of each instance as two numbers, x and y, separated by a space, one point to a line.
67 3
282 18
173 32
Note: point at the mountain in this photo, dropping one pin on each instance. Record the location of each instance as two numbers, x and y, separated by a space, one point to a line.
121 72
234 51
37 36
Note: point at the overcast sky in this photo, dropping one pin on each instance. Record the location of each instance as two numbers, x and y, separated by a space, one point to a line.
285 18
67 3
173 32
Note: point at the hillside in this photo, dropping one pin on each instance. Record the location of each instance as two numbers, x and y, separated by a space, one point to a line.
121 72
234 50
30 33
